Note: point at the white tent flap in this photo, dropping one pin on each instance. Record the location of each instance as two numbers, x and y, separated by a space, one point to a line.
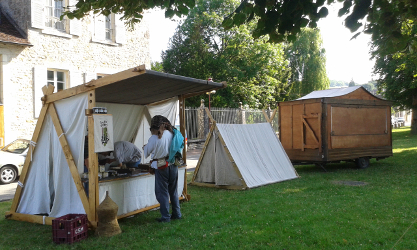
256 151
50 188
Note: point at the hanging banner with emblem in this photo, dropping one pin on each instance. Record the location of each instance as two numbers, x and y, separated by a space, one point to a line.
103 133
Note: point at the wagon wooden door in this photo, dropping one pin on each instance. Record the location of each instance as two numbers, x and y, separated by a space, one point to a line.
311 131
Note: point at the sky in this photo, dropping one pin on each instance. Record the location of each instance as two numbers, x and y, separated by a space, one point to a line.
346 59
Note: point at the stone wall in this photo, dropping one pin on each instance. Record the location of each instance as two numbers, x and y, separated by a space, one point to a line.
74 54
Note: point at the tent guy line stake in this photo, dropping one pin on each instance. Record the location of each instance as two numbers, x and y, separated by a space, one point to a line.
404 233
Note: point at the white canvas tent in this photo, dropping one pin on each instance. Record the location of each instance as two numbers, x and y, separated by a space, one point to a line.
241 156
50 184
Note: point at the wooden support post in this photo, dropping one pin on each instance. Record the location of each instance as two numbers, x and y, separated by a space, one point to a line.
68 155
273 115
210 117
181 113
266 116
47 90
302 133
93 193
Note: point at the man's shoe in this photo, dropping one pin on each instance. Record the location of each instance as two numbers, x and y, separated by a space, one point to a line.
163 220
175 218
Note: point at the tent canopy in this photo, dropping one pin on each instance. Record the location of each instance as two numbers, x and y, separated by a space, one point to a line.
50 182
240 156
140 86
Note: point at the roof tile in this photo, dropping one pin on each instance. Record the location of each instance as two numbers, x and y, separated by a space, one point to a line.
9 33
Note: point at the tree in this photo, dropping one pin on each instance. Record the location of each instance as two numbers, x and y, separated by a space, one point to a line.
308 63
352 83
334 83
280 19
397 68
371 87
256 71
157 66
398 82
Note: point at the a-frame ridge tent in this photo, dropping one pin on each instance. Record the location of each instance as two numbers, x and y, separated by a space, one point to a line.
242 156
50 185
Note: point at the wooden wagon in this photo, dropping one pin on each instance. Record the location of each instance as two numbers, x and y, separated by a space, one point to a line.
51 185
345 124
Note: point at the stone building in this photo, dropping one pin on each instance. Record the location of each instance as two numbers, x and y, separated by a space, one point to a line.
37 48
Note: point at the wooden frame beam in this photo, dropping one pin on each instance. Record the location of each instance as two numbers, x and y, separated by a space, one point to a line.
93 190
316 138
68 155
26 166
93 84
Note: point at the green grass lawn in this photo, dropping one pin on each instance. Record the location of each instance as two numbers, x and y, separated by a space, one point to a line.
315 211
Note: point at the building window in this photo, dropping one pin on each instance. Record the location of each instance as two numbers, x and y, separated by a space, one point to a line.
58 79
54 10
109 28
101 75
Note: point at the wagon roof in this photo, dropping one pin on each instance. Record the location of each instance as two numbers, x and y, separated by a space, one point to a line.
333 93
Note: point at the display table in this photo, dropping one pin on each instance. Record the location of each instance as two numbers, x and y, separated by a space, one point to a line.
135 192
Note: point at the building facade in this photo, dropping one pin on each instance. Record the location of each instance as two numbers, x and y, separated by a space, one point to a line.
37 48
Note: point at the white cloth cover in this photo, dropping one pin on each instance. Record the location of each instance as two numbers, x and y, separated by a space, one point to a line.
256 150
167 109
135 193
50 188
126 119
132 122
103 133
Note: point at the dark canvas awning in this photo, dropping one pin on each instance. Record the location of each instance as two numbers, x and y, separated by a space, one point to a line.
140 86
153 86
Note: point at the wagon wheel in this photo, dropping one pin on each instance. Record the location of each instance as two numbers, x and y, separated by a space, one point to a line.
362 162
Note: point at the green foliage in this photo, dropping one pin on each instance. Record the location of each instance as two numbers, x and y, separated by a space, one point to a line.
308 63
371 87
315 211
157 66
279 19
334 83
256 71
352 83
132 10
394 51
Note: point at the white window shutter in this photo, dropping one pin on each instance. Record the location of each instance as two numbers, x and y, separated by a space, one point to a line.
99 27
39 80
76 78
75 24
37 14
89 76
120 29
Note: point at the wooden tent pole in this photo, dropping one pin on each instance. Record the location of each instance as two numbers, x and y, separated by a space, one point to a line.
181 113
93 192
68 155
266 116
273 115
96 83
202 153
47 90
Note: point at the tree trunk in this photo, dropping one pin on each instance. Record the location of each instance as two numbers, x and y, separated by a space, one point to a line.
414 121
